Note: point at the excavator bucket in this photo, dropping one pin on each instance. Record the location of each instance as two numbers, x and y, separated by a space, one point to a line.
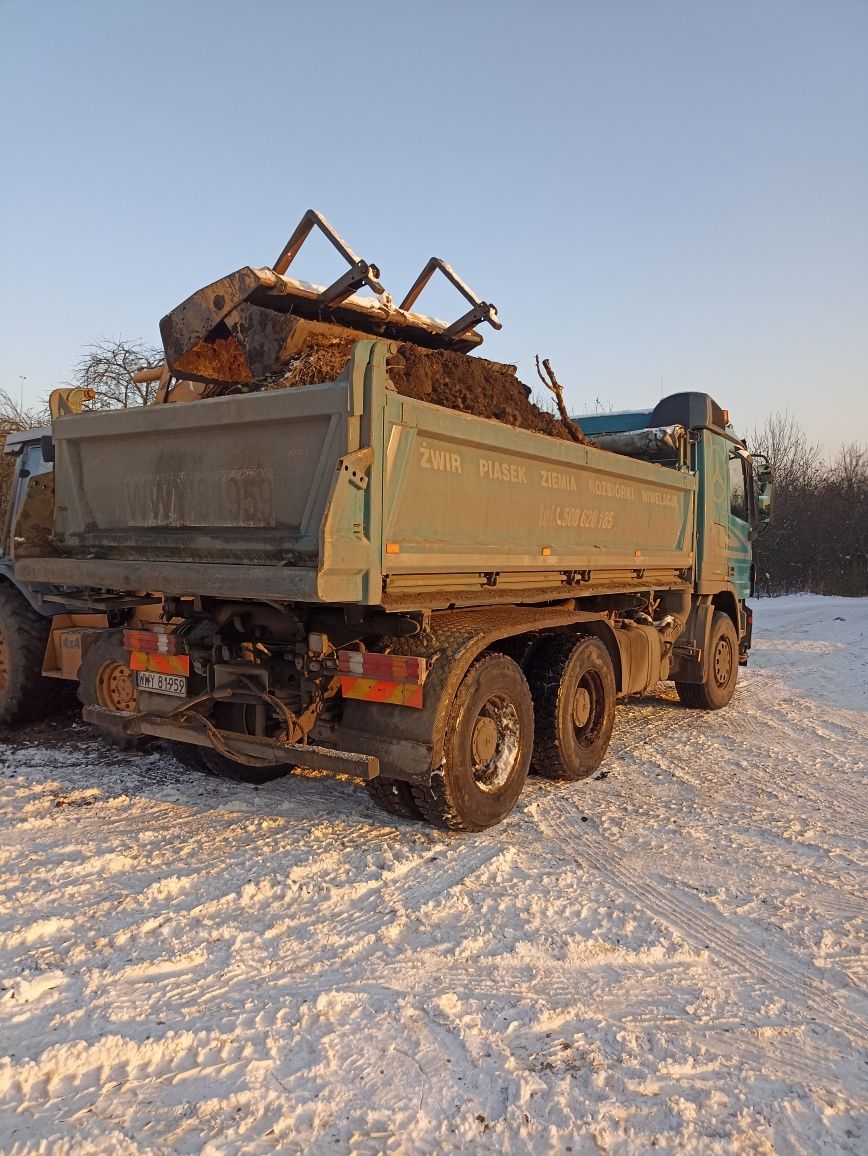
249 325
219 335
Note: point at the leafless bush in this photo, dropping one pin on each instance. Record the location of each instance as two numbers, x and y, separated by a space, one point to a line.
107 367
818 537
15 416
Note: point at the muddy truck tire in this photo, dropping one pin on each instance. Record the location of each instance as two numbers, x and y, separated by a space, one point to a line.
221 767
394 797
720 678
573 688
25 695
488 745
211 762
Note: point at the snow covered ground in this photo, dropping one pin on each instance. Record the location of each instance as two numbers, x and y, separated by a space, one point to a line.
669 955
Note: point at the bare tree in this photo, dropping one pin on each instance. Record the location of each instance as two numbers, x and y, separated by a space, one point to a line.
786 554
847 516
818 537
795 460
108 368
15 417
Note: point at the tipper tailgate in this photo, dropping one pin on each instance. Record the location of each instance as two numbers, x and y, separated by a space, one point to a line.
235 479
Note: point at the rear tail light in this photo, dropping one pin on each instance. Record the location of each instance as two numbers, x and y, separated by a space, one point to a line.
152 643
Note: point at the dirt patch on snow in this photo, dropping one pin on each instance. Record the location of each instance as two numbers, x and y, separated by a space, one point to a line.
455 380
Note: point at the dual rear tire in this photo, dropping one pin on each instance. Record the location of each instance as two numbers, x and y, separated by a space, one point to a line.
555 718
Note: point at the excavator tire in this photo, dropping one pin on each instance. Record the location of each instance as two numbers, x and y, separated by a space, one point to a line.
25 696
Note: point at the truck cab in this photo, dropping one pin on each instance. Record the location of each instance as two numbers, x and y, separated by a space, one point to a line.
734 494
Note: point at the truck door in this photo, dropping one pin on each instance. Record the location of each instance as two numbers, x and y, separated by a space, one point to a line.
738 536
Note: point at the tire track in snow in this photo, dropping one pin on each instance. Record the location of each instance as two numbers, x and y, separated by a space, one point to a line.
421 881
770 742
640 722
700 924
761 738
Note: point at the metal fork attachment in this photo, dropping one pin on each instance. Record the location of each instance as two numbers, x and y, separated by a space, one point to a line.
479 310
359 274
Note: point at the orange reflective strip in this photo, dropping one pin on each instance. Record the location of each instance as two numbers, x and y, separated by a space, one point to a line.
379 690
161 663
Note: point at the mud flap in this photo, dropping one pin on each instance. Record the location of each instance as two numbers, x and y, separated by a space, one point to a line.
747 636
688 654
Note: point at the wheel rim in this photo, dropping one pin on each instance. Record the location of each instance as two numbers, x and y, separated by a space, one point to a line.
588 708
115 687
495 743
722 662
4 663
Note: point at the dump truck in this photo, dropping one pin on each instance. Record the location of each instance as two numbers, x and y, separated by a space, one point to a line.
352 579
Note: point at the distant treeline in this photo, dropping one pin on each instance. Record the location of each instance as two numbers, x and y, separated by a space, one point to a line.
817 541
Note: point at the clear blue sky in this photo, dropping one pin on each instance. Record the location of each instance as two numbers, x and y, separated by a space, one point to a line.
645 189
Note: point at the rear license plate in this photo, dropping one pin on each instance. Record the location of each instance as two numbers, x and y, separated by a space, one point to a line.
162 683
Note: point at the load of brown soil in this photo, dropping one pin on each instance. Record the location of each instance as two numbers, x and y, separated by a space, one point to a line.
455 380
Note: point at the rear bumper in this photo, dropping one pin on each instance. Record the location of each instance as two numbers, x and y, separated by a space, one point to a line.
267 752
295 583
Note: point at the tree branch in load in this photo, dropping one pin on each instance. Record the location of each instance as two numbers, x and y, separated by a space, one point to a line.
554 386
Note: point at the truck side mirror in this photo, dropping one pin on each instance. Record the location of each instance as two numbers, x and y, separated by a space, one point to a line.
764 479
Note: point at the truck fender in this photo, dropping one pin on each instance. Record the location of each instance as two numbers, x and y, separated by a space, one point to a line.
410 743
729 604
689 653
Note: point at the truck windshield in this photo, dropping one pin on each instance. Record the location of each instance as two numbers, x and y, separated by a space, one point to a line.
32 462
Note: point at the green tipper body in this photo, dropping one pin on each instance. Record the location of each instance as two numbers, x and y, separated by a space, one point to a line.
350 493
